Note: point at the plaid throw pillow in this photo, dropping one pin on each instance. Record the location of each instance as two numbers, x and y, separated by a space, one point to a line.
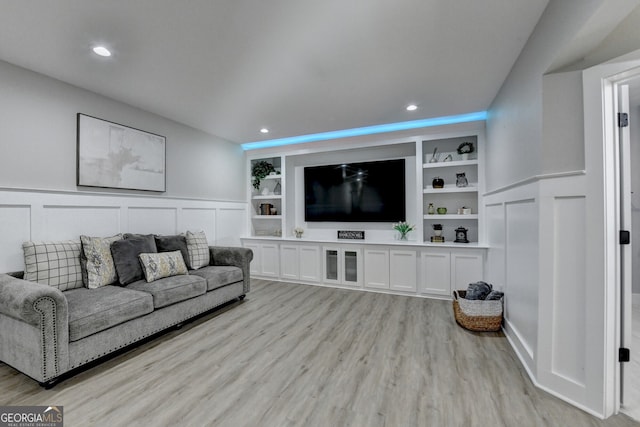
198 249
55 264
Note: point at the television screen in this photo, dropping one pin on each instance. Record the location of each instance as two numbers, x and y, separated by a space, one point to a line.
355 192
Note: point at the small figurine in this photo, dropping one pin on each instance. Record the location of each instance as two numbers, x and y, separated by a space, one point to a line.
461 180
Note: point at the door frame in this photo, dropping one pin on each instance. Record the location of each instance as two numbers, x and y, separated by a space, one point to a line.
600 85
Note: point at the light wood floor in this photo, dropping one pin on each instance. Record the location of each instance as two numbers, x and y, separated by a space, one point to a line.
295 355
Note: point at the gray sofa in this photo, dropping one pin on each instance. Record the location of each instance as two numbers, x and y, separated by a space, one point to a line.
49 334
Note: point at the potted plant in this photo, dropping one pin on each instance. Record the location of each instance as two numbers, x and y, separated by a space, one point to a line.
465 149
403 228
259 171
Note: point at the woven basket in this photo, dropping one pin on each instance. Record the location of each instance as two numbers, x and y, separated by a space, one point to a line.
477 315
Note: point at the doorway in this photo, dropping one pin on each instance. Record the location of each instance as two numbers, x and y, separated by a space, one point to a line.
630 404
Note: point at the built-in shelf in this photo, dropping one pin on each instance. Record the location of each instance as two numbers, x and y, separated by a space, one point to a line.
267 197
471 188
450 164
451 216
267 217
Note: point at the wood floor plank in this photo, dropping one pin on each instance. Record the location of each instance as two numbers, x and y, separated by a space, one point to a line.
296 355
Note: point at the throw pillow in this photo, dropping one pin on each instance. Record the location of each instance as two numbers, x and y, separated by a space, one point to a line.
125 256
198 249
478 290
164 264
494 296
55 264
174 243
97 262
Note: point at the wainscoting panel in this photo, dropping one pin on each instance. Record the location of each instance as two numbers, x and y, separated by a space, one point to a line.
569 317
521 302
512 263
153 220
15 228
229 221
496 256
196 219
48 216
69 222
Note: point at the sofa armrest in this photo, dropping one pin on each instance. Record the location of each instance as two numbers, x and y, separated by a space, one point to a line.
35 319
235 256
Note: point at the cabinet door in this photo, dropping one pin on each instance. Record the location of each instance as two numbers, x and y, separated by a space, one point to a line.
403 270
309 267
331 265
256 265
376 268
289 262
351 267
466 268
435 272
270 260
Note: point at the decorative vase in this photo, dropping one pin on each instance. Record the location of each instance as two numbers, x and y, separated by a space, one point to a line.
403 236
464 156
430 209
437 182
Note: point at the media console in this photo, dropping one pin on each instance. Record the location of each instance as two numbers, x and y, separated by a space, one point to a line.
406 268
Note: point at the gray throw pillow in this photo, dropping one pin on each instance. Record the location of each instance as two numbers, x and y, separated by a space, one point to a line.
478 290
125 256
174 243
494 296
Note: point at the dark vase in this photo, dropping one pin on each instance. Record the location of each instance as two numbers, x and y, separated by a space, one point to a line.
437 182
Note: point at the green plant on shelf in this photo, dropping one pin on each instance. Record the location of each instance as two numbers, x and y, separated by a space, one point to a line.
403 228
260 171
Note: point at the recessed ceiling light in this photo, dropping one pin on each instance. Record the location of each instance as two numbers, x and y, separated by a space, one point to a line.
264 130
102 51
412 107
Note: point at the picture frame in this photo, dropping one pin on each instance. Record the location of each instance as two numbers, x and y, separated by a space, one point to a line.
111 155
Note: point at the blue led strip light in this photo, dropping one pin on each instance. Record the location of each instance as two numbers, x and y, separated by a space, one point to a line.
368 130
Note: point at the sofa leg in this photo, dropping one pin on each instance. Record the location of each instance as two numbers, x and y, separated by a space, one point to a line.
178 326
48 385
241 297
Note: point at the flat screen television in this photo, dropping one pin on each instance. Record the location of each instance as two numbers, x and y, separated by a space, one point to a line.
355 192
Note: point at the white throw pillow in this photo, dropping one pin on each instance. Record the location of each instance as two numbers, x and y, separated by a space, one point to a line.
97 261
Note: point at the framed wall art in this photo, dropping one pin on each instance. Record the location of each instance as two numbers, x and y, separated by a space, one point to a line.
111 155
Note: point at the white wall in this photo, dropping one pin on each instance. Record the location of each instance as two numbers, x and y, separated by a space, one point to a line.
38 140
634 122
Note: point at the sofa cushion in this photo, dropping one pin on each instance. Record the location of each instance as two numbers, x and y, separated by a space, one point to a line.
198 249
55 264
171 290
174 243
94 310
98 268
161 265
125 256
219 275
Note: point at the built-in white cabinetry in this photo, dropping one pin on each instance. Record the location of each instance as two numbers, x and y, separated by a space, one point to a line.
458 199
342 266
403 270
268 199
466 267
309 263
376 273
435 273
266 259
300 262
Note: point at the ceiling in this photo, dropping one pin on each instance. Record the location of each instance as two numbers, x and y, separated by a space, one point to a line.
231 67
